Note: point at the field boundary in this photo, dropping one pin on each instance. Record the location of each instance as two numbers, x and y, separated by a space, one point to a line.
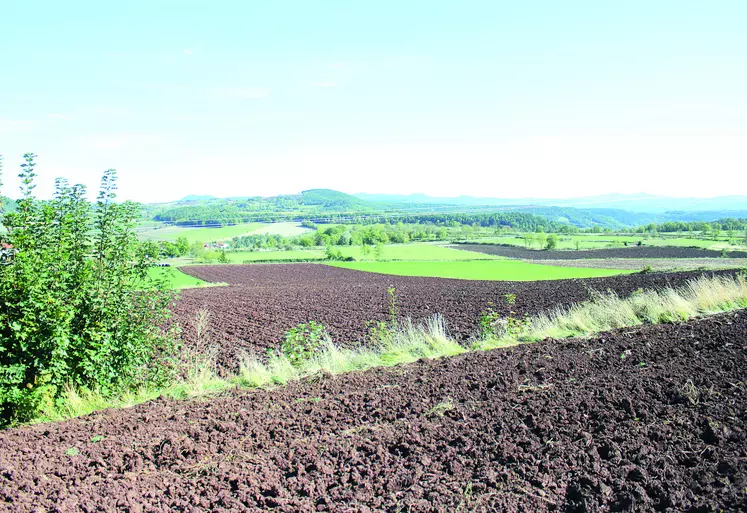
405 342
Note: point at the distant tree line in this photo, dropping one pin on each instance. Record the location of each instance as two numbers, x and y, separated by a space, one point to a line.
724 225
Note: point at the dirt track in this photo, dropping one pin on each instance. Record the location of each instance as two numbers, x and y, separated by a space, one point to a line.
264 301
651 419
629 252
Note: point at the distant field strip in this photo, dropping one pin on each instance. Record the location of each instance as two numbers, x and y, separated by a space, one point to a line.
176 279
420 252
502 270
412 252
171 233
656 264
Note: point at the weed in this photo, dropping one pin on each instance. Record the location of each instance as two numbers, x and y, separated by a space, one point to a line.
72 451
441 408
510 299
691 392
302 341
646 269
533 388
96 438
492 325
380 332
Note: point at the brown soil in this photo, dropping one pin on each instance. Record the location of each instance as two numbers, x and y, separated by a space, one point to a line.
266 300
651 419
629 252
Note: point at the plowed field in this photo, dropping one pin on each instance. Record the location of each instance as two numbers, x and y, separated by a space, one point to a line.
263 301
651 419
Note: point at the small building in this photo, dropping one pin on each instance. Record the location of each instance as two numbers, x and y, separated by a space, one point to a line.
6 252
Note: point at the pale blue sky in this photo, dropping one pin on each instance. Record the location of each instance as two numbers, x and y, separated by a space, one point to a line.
487 98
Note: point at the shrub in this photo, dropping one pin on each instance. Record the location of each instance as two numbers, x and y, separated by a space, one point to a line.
78 307
551 242
335 254
303 341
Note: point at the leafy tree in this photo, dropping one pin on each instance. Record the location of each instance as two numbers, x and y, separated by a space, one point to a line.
552 242
78 305
542 239
182 245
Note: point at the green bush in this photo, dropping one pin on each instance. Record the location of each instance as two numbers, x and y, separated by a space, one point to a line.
78 307
551 242
303 341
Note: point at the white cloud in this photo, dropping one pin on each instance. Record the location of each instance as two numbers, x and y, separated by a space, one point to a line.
188 51
61 117
16 126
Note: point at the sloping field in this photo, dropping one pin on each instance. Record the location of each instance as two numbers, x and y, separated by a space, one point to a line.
264 301
630 252
650 419
171 233
512 270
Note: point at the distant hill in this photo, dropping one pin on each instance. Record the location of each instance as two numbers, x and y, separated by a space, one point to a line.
335 200
328 205
645 203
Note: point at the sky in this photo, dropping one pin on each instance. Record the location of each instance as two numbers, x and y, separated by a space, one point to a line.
490 98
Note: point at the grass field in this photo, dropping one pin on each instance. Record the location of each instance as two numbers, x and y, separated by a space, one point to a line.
414 252
284 229
177 279
503 270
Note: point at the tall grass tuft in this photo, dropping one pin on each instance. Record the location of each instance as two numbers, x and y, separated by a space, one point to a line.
701 296
405 343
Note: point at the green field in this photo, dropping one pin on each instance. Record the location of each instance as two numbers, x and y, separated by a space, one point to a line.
177 279
413 252
506 270
284 229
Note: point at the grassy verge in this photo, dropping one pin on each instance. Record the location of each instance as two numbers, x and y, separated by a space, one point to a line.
407 342
701 296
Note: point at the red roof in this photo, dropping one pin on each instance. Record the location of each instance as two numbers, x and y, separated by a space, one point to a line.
6 246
